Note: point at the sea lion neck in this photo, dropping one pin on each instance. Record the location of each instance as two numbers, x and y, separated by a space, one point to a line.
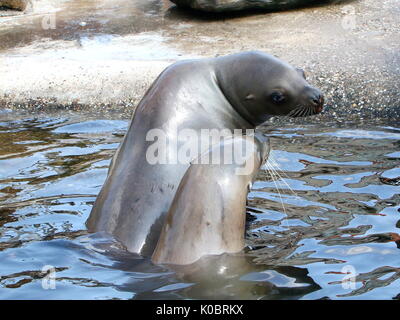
226 76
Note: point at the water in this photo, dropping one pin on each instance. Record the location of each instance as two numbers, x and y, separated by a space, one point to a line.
334 216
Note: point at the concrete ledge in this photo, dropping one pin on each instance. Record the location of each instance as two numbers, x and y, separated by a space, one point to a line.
66 81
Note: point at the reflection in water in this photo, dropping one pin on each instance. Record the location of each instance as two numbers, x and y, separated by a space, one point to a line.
77 19
328 203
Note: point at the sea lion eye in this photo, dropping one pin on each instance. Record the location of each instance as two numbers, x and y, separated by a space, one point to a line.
278 97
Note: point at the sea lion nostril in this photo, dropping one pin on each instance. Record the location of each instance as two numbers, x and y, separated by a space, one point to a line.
318 100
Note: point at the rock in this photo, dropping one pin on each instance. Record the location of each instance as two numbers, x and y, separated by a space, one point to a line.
234 5
19 5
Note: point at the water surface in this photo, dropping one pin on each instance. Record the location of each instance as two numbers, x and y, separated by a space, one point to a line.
328 211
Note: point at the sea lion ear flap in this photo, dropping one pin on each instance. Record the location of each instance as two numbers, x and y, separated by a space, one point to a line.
302 73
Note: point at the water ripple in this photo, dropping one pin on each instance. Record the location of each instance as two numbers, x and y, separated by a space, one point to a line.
330 230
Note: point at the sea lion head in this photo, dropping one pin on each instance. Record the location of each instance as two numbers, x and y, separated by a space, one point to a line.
261 86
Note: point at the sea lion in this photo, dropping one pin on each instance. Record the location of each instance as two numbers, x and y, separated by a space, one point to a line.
208 213
238 91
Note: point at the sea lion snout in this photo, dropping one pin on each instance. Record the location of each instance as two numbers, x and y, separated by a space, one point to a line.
318 101
311 103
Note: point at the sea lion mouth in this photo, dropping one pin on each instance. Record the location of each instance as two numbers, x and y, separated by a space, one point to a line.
313 106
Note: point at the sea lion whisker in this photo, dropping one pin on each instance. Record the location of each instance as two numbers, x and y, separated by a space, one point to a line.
280 196
273 163
277 176
290 114
288 187
297 112
272 171
301 113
